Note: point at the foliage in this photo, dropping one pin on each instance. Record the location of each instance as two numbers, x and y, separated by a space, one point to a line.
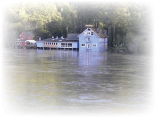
48 19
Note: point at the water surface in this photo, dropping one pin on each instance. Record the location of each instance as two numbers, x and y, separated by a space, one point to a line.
65 80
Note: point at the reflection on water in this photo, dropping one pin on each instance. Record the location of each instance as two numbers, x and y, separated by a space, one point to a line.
71 80
90 58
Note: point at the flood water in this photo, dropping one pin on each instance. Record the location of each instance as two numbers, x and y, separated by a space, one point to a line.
65 80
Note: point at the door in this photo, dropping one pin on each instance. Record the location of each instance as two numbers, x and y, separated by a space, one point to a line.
88 46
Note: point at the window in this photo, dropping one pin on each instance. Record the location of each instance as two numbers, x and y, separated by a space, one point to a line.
69 44
88 33
83 45
91 33
52 43
63 44
94 45
88 39
88 46
56 43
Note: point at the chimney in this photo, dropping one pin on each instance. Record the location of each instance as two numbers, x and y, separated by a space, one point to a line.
39 38
105 31
98 30
62 37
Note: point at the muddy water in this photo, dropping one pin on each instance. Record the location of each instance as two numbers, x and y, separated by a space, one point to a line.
62 80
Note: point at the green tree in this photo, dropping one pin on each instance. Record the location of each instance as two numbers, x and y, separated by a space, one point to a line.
48 19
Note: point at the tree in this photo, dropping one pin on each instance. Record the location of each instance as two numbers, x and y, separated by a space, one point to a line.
48 19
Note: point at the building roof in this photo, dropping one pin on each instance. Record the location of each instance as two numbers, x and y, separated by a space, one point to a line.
57 40
98 32
29 33
23 40
31 41
72 37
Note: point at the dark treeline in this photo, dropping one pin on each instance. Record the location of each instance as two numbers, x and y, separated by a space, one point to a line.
126 23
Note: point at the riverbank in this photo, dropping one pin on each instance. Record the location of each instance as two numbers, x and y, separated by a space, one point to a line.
125 50
121 50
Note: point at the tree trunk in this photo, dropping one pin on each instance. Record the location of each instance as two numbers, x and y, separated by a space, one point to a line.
113 32
110 36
